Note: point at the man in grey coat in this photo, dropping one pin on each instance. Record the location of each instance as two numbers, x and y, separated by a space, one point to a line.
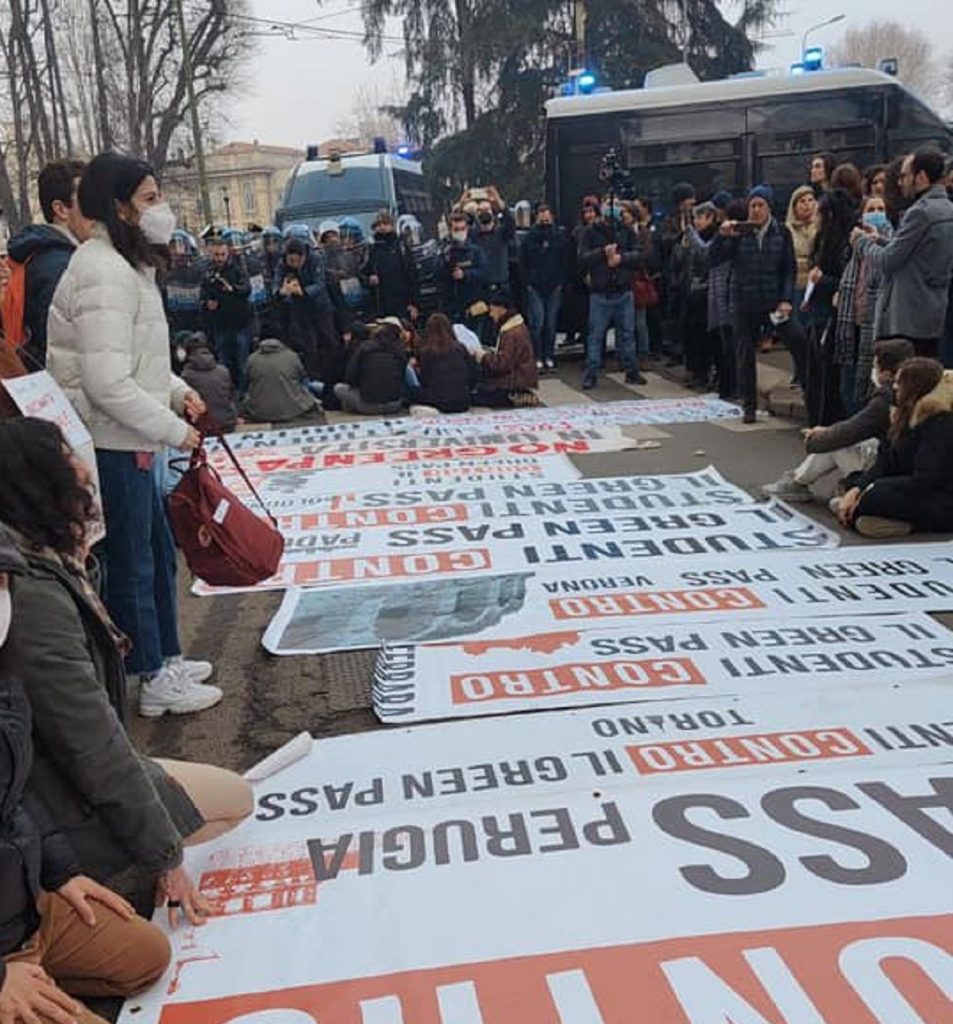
917 262
277 389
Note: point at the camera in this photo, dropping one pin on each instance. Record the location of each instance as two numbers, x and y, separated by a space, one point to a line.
616 177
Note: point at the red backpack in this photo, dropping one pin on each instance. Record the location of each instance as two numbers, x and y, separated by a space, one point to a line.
13 304
224 542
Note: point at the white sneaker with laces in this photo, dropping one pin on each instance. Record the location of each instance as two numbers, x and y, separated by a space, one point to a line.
190 670
170 692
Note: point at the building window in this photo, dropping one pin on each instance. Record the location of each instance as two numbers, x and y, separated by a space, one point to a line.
249 200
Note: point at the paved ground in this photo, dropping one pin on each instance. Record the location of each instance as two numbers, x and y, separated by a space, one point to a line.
268 700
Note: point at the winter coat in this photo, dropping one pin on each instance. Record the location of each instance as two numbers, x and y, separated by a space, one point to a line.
802 236
108 349
496 246
312 276
33 855
511 366
457 297
46 250
376 369
916 265
115 807
214 383
545 258
917 467
603 279
446 379
763 270
276 390
392 263
234 307
871 422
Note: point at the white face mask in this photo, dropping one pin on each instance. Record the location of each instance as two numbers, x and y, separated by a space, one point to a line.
157 223
6 613
875 376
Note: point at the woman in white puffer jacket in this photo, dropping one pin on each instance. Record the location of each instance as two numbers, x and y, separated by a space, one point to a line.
108 349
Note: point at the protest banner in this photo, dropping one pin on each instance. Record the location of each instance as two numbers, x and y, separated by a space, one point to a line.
323 557
705 488
733 861
38 395
572 596
645 662
635 412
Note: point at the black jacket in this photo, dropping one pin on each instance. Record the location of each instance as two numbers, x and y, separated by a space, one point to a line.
46 251
545 258
458 296
376 369
393 264
33 856
234 307
496 246
603 279
446 379
763 271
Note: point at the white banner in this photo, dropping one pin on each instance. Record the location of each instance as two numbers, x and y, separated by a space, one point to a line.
323 558
704 488
641 662
635 412
571 596
729 861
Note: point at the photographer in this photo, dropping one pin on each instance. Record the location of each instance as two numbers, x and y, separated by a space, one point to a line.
761 254
611 254
225 295
461 275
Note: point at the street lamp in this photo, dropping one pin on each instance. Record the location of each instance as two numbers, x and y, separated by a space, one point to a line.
227 200
814 28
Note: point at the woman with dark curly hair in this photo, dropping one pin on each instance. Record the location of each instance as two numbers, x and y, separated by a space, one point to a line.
119 809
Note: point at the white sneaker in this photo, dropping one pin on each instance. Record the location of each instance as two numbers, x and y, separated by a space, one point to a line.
550 364
170 691
539 365
191 671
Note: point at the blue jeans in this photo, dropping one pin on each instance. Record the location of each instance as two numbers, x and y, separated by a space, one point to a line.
543 314
607 311
140 561
643 338
232 348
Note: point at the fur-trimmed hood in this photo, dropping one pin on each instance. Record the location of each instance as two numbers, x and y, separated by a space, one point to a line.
939 400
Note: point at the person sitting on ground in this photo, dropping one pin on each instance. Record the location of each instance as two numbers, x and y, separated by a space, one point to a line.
375 376
848 447
509 370
211 380
446 370
910 487
58 927
123 814
277 385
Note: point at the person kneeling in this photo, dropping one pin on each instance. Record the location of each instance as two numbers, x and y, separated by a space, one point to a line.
277 385
509 370
375 376
910 487
848 447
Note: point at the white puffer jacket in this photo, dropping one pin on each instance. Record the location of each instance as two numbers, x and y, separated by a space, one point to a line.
108 349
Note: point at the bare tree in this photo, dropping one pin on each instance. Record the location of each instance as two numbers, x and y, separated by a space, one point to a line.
877 40
371 118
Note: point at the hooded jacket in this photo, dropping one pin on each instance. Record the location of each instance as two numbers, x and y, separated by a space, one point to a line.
917 468
377 368
214 383
511 366
46 250
276 390
233 310
802 235
392 263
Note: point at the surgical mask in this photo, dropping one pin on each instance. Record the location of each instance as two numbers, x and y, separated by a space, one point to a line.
460 236
6 614
157 223
875 376
876 219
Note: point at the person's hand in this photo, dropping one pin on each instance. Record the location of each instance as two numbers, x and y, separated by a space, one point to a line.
495 198
479 355
611 250
816 275
784 309
192 440
176 889
194 406
848 506
457 274
212 305
615 260
347 337
30 996
374 281
813 433
80 891
727 229
862 231
835 300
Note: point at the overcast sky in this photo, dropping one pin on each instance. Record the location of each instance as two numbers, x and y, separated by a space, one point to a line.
301 89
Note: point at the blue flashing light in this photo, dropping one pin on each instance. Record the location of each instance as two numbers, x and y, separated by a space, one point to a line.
813 59
586 81
404 150
797 69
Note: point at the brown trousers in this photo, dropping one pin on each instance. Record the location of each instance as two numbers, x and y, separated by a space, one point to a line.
112 958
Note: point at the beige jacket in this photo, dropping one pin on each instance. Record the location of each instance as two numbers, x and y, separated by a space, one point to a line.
108 349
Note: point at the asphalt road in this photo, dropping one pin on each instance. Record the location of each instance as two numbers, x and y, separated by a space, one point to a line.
268 700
